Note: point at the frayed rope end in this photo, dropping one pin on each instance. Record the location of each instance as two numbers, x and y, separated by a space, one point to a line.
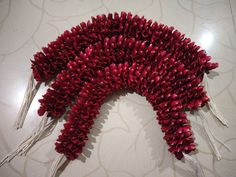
29 95
58 162
38 134
211 105
195 164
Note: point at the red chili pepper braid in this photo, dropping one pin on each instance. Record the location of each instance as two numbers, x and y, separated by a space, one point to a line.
54 58
114 50
140 78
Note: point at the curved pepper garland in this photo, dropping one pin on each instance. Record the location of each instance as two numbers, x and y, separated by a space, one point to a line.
115 52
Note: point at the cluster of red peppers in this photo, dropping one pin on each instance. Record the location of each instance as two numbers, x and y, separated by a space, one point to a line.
121 51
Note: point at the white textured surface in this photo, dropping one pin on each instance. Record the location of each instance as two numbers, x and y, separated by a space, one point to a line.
126 140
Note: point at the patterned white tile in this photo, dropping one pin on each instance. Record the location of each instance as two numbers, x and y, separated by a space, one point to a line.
126 139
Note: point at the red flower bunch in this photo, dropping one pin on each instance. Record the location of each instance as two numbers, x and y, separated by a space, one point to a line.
116 52
52 59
